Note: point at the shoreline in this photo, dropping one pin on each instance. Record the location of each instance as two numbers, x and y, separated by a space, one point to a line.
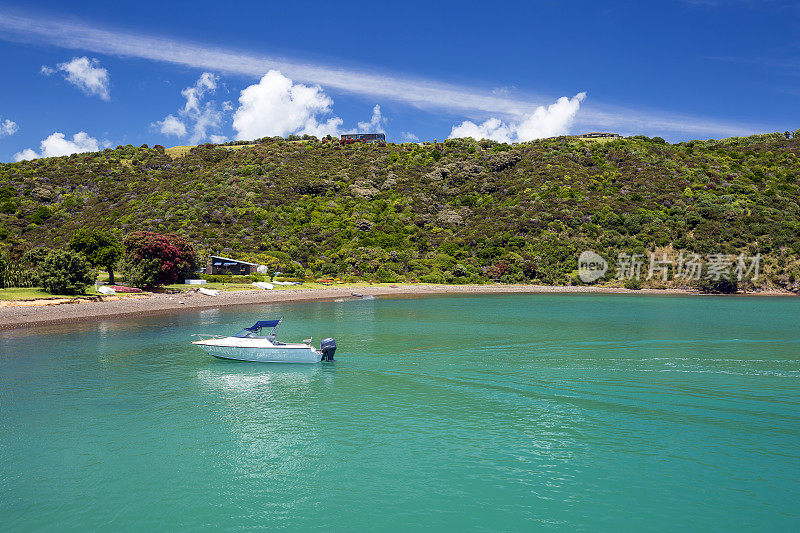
29 315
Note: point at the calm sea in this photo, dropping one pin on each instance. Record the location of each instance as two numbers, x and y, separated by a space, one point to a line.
484 413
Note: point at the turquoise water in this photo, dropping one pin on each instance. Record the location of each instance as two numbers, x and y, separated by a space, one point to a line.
611 413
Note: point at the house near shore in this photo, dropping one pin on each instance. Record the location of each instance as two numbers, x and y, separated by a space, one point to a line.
224 265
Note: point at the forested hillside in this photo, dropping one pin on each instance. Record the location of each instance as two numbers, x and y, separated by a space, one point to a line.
457 211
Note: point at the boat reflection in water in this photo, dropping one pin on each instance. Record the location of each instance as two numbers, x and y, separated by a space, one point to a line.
252 378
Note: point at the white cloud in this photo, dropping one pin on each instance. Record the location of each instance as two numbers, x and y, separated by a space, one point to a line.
543 122
171 125
277 106
85 74
197 116
25 155
57 145
375 124
503 91
408 136
273 106
410 90
7 127
207 118
493 128
206 82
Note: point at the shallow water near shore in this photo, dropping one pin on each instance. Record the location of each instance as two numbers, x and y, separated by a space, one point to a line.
506 412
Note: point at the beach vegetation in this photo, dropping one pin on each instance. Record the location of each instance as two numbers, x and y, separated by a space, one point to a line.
65 271
21 273
633 283
723 285
3 270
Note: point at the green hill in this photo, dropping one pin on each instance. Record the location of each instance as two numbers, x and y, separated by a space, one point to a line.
456 211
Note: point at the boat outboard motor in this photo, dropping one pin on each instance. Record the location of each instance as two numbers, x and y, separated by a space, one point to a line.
328 348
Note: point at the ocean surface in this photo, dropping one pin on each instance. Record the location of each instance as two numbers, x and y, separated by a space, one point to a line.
477 413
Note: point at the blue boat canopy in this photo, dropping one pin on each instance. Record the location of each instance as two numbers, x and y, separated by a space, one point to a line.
264 324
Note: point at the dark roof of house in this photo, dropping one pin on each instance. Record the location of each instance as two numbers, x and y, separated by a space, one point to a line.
234 260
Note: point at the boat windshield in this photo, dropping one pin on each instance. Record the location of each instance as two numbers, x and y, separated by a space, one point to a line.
247 334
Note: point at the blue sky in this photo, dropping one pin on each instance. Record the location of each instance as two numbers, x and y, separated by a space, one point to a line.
511 71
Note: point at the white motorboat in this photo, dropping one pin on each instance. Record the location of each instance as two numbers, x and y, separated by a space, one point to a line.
250 345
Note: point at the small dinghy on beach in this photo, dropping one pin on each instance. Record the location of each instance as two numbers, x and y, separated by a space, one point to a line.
208 292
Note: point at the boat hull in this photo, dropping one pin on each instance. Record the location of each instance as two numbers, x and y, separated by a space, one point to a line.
277 354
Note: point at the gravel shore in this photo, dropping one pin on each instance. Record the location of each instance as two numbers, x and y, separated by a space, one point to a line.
14 315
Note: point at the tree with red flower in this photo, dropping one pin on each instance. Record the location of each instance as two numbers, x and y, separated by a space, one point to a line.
152 259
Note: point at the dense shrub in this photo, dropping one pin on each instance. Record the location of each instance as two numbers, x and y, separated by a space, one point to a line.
633 284
21 277
144 273
720 286
66 272
34 257
23 273
41 214
385 276
227 278
217 278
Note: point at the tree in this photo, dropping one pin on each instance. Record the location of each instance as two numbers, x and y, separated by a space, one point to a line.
152 260
34 257
99 247
3 269
66 272
142 272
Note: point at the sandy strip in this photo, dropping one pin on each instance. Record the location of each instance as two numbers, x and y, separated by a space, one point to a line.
23 316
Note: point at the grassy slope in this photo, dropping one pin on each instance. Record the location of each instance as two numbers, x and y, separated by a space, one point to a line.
457 211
